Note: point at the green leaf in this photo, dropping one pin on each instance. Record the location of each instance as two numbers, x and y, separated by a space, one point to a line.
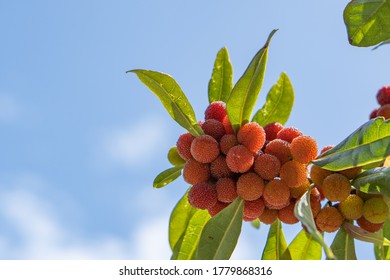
185 248
276 245
167 176
174 158
368 144
220 235
363 235
303 212
221 82
343 246
368 22
256 224
244 94
383 252
304 247
375 181
172 98
279 103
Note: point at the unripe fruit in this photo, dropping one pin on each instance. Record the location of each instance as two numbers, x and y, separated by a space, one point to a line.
293 173
253 209
174 158
276 194
352 207
351 173
219 168
226 190
318 174
384 111
304 149
202 196
184 145
368 226
218 207
268 216
375 210
252 136
214 128
195 172
288 134
286 214
227 142
250 186
329 219
336 187
267 166
205 148
272 129
239 159
216 110
383 95
280 149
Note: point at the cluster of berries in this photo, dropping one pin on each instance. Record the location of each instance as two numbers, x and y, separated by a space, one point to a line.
345 202
383 98
267 167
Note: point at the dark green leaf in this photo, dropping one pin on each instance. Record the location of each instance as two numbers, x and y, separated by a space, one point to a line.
383 252
363 235
279 103
303 212
220 235
221 82
172 98
304 247
343 246
245 92
167 176
276 245
368 22
376 181
370 143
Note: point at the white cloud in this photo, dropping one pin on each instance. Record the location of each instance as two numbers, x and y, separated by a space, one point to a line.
9 109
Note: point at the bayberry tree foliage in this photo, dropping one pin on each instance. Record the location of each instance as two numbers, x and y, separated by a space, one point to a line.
245 166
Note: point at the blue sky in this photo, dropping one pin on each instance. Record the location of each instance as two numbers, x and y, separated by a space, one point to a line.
81 141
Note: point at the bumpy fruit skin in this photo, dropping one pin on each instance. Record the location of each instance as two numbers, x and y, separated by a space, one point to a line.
216 110
184 145
318 174
276 194
304 149
205 149
299 191
286 214
218 207
267 166
253 209
352 207
268 216
272 129
252 136
280 149
315 205
375 210
326 148
288 134
368 226
383 95
239 159
293 173
214 128
374 113
195 172
227 142
202 196
329 219
174 158
227 125
336 187
351 173
384 111
219 168
250 186
226 190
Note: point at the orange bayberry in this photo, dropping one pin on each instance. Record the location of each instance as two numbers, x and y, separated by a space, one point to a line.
205 148
239 159
216 110
329 219
226 189
250 186
384 111
267 166
318 174
268 216
213 128
336 187
252 136
293 173
276 194
383 95
227 142
218 207
219 168
271 130
368 226
288 134
253 209
195 172
280 149
286 214
202 195
184 145
304 149
227 125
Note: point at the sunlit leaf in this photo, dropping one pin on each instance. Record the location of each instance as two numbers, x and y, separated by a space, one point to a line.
167 176
363 235
276 245
256 224
343 246
221 82
304 247
375 181
383 252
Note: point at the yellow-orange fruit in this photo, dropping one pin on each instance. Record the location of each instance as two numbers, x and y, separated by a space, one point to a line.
267 166
253 209
293 173
351 173
304 149
268 216
329 219
315 205
336 187
184 145
205 148
195 172
299 191
219 168
218 207
288 134
276 194
226 190
280 149
227 142
384 111
213 128
318 174
202 195
239 159
250 186
352 207
286 214
252 136
375 210
368 226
